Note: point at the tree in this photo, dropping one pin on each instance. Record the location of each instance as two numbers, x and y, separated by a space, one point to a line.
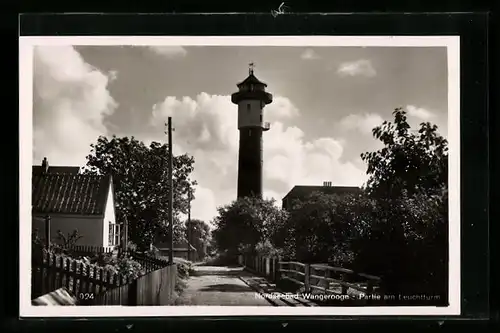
324 225
406 239
408 161
140 179
241 225
198 235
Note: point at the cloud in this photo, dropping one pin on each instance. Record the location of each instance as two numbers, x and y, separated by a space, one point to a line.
169 51
206 127
419 113
71 101
357 68
309 54
363 123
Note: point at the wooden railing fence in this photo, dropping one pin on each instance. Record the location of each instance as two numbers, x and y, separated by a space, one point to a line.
328 279
321 278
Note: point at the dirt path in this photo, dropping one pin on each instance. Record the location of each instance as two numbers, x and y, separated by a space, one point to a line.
211 285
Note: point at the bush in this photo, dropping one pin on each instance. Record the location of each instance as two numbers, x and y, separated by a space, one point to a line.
153 252
405 243
125 266
184 267
266 249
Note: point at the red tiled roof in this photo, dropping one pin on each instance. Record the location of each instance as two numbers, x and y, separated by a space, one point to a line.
69 194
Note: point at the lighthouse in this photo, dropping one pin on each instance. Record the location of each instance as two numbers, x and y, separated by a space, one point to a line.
251 99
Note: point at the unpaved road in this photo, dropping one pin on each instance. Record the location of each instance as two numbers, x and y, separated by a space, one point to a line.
214 285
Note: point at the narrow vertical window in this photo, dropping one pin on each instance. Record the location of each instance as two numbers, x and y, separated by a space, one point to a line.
260 118
250 132
117 234
248 107
111 237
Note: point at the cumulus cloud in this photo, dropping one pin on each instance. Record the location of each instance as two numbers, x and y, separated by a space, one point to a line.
168 51
71 100
206 127
357 68
419 113
363 123
309 54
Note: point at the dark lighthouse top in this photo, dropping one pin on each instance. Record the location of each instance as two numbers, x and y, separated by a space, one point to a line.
251 89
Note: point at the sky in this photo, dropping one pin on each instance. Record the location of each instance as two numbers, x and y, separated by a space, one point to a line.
326 102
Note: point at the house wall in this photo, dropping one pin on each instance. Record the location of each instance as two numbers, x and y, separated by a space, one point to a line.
109 216
89 227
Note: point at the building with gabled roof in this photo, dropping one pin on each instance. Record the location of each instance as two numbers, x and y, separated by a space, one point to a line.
74 201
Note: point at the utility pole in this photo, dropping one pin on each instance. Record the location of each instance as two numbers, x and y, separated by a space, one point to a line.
189 225
171 193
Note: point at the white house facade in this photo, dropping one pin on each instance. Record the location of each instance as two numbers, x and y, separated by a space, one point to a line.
75 201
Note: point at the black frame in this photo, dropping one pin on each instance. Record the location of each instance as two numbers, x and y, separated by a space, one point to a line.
475 162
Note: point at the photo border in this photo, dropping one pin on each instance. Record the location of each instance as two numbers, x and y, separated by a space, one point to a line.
481 194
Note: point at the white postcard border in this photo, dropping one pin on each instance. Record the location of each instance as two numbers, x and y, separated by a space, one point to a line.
26 44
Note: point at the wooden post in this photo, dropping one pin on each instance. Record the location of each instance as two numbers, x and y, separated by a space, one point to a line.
189 226
171 193
277 267
132 293
369 291
307 282
47 232
343 288
125 235
327 283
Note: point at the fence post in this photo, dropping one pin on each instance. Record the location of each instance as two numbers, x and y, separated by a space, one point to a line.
132 293
277 267
327 283
47 232
342 286
307 284
369 290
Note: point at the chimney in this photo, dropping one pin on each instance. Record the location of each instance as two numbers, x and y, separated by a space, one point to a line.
45 165
328 184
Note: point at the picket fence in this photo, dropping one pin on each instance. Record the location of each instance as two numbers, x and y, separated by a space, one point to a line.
95 285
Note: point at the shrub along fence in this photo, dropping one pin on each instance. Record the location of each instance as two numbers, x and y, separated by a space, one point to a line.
95 285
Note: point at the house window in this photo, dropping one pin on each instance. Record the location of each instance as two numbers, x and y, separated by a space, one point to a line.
114 234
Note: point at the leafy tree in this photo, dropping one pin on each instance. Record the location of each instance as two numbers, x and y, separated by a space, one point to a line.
406 237
409 161
324 224
198 234
140 179
241 225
